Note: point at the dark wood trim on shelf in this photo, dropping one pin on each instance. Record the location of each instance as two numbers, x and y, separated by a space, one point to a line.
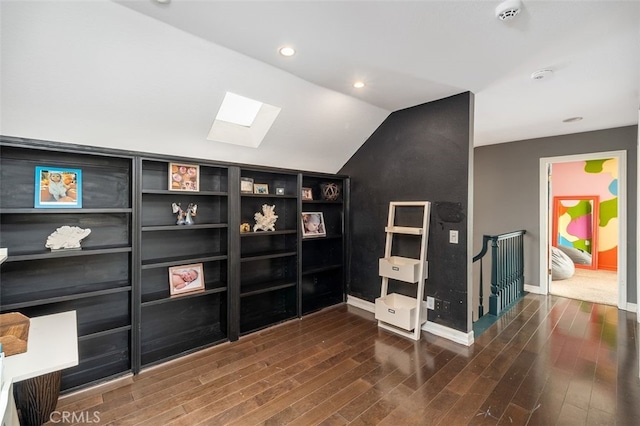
177 261
184 227
268 233
337 202
190 193
233 250
136 267
67 253
165 297
63 211
265 287
55 296
267 255
267 196
97 334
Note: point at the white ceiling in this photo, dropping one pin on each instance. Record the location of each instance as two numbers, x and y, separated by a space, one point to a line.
412 52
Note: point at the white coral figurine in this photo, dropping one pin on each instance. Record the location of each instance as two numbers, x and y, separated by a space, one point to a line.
265 221
66 237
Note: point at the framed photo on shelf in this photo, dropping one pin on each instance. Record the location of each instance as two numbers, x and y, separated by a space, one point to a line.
313 225
307 194
186 279
260 188
58 188
184 177
246 185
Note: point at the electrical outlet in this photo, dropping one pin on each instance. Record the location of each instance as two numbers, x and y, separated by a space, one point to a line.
453 236
430 302
438 305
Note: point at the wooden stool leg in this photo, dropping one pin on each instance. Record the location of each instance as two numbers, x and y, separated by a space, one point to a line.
36 398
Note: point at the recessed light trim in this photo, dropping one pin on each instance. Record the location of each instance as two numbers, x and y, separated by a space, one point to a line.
287 51
359 84
572 119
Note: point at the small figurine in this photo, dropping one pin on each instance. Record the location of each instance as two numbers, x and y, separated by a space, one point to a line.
178 210
266 220
245 227
191 213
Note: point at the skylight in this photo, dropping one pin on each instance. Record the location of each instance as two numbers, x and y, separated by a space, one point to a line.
242 121
238 110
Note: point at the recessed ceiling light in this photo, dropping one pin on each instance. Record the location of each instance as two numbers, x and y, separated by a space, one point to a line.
163 1
287 51
358 84
571 120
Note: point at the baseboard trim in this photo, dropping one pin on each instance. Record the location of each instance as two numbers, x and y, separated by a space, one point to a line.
533 289
430 327
362 304
448 333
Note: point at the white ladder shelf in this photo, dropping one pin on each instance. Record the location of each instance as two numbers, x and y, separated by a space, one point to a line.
398 313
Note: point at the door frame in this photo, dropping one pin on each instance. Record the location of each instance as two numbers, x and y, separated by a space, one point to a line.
546 211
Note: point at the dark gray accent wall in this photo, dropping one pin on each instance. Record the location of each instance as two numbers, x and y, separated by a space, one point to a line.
506 189
417 154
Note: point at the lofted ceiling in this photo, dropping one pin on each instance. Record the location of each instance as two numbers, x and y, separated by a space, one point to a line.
412 52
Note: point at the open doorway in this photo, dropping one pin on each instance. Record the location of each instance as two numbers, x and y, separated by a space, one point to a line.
583 222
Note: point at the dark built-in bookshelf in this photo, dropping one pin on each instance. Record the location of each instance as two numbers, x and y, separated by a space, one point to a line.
118 282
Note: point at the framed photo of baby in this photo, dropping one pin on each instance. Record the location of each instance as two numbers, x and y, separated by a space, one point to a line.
313 225
184 177
186 279
58 188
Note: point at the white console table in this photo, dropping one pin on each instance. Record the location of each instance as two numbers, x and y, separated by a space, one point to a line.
52 346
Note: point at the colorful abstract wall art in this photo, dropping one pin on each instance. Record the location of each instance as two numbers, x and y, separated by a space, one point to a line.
594 178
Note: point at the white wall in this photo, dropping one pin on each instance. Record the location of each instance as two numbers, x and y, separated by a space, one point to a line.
96 73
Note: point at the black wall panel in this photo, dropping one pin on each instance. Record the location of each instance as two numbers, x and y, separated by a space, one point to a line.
420 153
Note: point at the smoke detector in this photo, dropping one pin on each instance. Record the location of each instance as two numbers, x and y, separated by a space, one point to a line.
508 10
541 74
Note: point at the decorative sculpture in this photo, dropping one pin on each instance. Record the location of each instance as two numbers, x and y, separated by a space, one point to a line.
191 213
330 191
245 227
177 208
66 237
266 220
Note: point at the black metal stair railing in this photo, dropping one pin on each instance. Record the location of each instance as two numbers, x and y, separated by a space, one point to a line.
507 270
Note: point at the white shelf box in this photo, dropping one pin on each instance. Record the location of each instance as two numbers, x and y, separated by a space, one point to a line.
401 268
399 310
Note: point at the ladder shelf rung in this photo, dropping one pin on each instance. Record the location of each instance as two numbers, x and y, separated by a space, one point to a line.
403 230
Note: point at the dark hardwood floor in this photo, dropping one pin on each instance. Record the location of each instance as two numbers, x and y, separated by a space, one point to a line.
548 361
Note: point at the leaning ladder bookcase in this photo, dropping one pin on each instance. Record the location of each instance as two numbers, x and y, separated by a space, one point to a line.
398 313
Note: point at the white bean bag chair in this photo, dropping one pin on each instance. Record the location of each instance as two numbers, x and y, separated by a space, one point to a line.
579 257
562 266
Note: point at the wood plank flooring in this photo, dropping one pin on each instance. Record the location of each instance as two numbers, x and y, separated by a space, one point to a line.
548 361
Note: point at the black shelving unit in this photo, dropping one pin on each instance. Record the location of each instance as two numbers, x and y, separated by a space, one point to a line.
118 283
174 325
96 281
269 259
323 264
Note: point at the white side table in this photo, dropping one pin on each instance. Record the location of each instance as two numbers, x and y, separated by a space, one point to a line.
52 347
